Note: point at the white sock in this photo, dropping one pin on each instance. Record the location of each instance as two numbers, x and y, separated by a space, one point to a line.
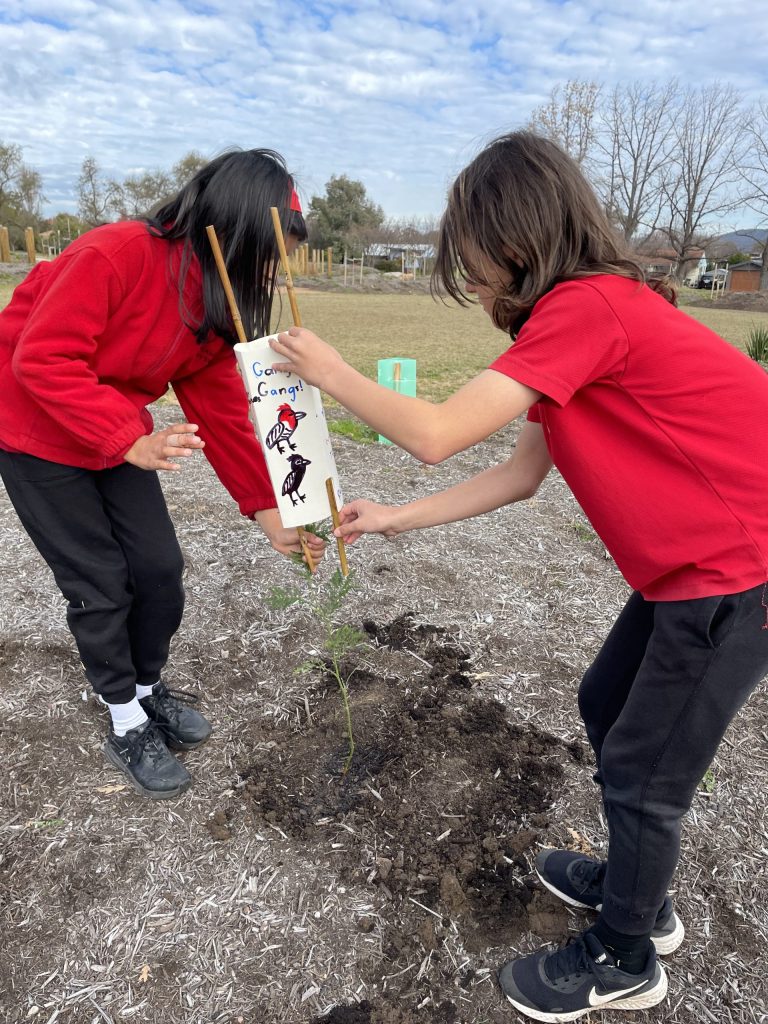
145 691
127 716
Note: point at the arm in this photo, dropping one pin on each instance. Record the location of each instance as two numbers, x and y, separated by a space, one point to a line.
56 349
429 432
514 480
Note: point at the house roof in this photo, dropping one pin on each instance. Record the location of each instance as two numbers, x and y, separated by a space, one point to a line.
746 265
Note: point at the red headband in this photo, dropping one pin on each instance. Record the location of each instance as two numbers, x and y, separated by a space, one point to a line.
295 204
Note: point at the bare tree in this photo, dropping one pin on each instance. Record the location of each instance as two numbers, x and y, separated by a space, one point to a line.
10 162
702 166
754 170
186 168
637 123
29 192
138 195
21 186
568 117
96 197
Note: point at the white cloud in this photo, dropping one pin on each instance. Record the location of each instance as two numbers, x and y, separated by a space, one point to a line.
398 93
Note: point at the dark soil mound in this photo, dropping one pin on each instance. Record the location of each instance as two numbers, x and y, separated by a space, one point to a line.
443 800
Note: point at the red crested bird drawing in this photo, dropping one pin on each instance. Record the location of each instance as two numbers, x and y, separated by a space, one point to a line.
282 432
292 482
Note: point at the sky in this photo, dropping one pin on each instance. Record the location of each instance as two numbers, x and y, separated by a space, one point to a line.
399 95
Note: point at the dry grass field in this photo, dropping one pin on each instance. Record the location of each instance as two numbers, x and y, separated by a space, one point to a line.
449 343
7 284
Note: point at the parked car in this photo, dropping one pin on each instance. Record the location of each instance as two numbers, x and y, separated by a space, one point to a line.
705 281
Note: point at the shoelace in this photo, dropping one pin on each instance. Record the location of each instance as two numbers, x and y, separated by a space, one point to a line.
590 874
146 741
165 696
571 959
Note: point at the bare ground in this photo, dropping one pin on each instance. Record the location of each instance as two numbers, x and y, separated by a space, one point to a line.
276 890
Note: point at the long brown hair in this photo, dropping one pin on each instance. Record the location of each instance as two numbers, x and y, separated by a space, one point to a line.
523 196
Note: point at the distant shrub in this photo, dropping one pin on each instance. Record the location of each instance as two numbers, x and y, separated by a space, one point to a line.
757 344
388 266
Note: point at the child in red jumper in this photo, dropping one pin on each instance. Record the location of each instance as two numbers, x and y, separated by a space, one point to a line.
87 342
643 411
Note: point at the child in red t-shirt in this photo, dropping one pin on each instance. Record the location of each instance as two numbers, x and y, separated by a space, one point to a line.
87 342
643 411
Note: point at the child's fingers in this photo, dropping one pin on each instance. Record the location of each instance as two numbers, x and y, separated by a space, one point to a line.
181 428
349 532
349 537
172 451
350 511
183 435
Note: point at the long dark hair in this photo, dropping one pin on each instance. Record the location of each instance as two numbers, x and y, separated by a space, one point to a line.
523 196
234 193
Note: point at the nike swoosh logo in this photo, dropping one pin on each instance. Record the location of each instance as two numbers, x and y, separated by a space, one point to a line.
598 1000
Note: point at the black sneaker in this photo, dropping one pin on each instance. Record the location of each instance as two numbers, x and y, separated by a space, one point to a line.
143 756
578 881
582 976
182 726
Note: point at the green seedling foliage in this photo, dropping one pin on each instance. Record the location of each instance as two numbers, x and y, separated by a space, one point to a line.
319 530
709 782
343 639
280 598
324 599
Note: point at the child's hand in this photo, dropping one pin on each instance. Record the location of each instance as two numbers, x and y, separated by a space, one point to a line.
310 357
154 451
359 517
286 541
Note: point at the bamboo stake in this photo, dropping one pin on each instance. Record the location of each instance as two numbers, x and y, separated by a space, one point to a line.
236 319
286 268
305 548
336 524
297 323
222 269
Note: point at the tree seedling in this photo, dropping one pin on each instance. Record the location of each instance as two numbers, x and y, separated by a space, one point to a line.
324 599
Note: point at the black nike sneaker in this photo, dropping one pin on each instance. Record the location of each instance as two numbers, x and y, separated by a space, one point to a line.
578 881
581 977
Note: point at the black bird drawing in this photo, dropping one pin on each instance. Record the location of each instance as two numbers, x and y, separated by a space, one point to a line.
292 482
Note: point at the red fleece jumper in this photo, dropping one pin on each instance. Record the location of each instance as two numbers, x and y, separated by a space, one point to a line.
89 340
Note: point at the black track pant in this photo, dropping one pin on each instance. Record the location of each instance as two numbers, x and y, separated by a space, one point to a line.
111 546
656 703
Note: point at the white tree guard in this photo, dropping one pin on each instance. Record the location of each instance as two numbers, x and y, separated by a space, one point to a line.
290 424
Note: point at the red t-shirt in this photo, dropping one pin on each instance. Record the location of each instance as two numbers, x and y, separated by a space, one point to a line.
657 425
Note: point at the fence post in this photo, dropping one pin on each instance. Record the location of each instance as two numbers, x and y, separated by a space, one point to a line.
329 260
5 246
29 238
